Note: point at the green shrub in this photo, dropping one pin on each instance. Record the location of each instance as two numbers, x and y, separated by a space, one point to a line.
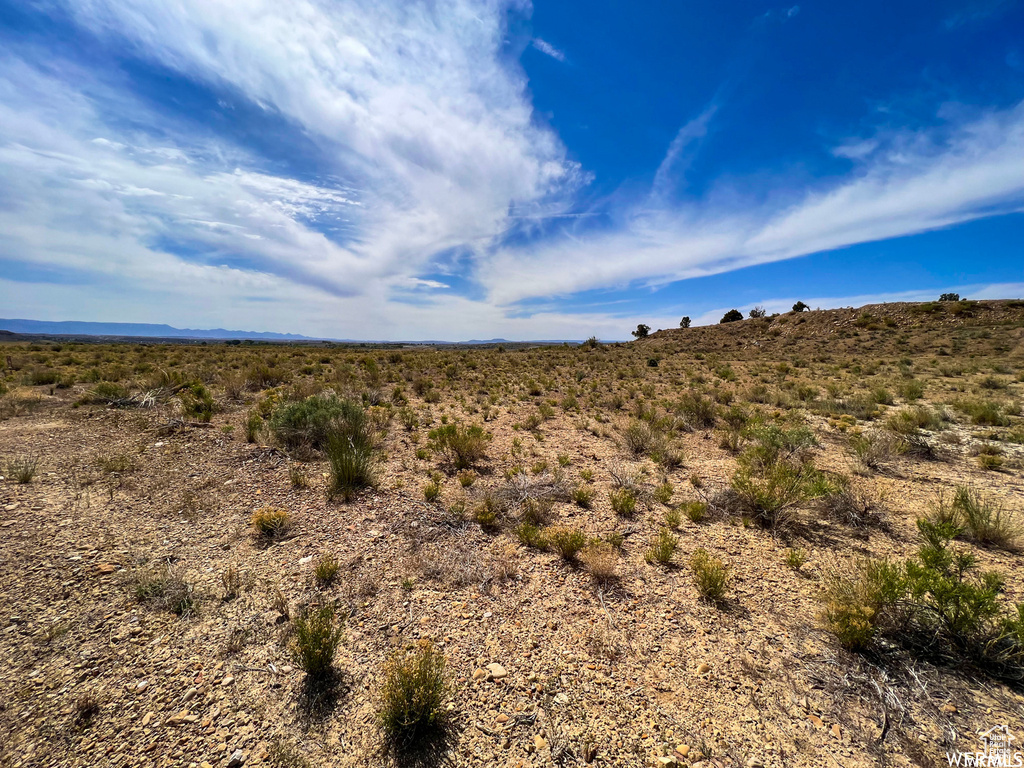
983 413
567 542
771 445
695 511
326 569
461 446
164 587
662 548
271 522
978 519
316 640
22 469
197 401
623 501
42 377
769 497
531 535
582 496
663 493
352 464
795 558
639 439
938 605
696 410
253 427
414 720
432 491
710 574
310 423
860 599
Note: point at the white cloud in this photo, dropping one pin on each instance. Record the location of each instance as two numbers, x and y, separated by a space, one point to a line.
677 159
429 146
915 183
547 48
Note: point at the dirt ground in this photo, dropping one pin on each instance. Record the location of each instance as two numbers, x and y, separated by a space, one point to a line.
634 671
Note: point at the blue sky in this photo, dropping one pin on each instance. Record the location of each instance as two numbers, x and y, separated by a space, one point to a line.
477 168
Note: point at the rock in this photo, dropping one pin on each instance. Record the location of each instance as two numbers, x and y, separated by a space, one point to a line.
539 742
141 686
237 759
147 719
949 708
668 761
479 674
105 568
501 719
836 731
683 750
229 680
306 559
703 668
754 763
496 671
189 694
815 721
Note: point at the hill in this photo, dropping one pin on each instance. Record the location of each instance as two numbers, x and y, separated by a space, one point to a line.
939 328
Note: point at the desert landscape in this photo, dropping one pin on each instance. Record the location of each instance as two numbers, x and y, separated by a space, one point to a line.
790 540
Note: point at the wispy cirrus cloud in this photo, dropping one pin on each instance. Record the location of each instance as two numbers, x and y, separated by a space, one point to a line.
909 183
547 48
437 204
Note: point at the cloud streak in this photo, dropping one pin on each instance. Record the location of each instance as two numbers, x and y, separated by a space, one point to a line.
914 183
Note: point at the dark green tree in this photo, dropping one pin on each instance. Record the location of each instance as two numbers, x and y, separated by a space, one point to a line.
685 322
800 307
641 331
731 316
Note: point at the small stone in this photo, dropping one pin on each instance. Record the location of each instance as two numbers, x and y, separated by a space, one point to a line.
539 742
229 680
949 708
479 674
496 671
141 686
189 694
683 750
306 559
703 669
754 763
815 721
668 761
836 731
105 568
237 759
501 719
147 719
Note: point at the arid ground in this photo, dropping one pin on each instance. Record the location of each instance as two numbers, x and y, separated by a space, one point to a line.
548 556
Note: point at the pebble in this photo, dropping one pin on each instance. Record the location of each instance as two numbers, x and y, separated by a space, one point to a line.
950 708
237 759
539 741
703 669
141 686
496 671
189 694
479 674
227 680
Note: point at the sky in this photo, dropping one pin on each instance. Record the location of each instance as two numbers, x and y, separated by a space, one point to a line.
396 169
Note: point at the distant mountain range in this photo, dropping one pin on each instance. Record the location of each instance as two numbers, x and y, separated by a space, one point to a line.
150 330
160 331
